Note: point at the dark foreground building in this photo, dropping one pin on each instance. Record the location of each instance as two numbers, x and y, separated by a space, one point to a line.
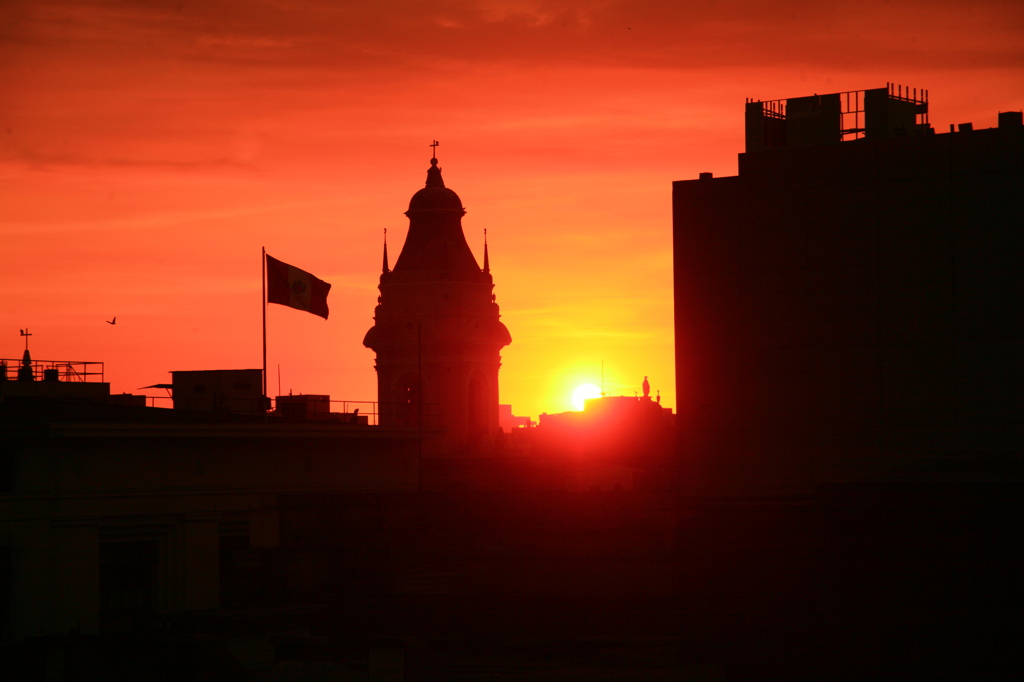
115 516
212 541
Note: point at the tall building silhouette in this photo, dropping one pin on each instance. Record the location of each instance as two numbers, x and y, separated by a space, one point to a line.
848 307
437 332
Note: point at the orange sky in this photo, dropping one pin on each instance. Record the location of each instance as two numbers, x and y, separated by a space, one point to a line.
149 149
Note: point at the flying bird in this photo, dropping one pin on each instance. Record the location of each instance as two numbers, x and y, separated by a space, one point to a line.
113 321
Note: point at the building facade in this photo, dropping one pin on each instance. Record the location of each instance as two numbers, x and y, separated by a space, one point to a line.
118 518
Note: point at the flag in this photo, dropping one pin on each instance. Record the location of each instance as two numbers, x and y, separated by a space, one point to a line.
287 285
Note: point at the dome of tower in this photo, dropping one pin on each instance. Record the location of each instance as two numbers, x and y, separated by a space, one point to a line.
435 196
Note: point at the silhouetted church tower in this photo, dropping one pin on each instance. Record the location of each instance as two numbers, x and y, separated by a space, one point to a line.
437 333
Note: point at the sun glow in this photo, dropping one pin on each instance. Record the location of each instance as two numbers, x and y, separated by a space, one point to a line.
584 393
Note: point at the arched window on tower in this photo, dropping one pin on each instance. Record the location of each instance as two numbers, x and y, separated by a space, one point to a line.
478 404
409 398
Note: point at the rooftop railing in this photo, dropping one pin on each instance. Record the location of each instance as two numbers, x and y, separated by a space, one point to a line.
12 369
852 107
364 412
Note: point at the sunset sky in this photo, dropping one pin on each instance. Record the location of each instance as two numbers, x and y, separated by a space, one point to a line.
148 149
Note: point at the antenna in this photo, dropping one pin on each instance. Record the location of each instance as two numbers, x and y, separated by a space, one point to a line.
26 334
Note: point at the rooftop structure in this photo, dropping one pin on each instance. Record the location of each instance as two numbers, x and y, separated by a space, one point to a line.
74 380
880 113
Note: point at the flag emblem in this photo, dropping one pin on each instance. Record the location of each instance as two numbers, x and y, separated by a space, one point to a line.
295 288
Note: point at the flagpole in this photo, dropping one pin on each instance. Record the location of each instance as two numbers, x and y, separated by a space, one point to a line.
264 303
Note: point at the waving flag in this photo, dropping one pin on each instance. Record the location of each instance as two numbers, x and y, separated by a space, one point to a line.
295 288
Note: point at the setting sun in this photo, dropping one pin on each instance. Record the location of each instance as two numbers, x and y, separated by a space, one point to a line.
584 393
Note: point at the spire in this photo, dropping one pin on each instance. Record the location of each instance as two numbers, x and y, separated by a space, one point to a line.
487 260
434 175
386 269
25 371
